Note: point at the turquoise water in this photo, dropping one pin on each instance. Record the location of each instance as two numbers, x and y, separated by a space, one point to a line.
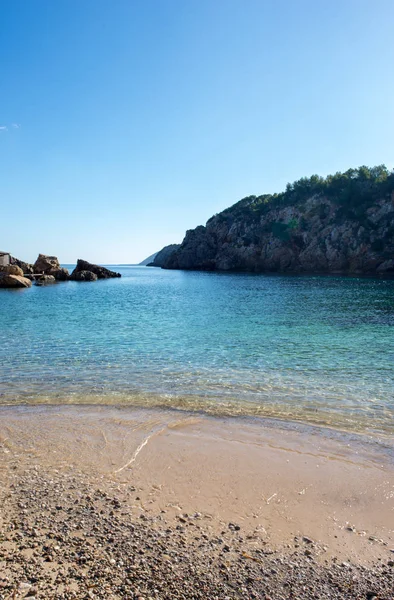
314 349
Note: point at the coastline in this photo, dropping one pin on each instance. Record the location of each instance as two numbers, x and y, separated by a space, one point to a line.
229 407
287 494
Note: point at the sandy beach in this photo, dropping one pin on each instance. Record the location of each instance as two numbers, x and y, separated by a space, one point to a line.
107 502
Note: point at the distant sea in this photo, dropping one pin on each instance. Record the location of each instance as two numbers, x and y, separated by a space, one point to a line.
313 349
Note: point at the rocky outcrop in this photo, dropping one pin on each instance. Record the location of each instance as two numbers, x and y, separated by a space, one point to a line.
27 268
49 265
100 272
45 263
163 256
11 270
83 276
47 270
317 233
9 279
45 279
61 274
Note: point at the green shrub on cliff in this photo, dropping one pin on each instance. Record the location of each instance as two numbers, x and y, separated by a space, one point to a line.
354 191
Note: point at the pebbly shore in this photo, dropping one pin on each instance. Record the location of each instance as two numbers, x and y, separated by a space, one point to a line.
66 535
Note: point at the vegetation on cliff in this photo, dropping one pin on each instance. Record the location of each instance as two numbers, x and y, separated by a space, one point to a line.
353 192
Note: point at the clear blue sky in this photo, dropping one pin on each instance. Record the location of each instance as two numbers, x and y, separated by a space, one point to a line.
126 122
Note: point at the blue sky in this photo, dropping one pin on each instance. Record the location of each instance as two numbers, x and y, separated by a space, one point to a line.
126 122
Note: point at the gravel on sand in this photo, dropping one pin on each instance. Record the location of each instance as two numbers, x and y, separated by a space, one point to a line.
64 535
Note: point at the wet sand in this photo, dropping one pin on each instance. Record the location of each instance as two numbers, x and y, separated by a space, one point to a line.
268 491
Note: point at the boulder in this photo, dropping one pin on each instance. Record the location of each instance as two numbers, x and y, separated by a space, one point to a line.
44 279
45 263
13 281
61 274
12 270
83 276
27 268
101 272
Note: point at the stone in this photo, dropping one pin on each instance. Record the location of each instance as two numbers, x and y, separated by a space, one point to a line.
27 268
12 270
101 272
45 263
61 274
44 279
13 281
83 276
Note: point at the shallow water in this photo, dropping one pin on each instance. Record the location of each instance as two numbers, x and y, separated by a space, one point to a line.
308 348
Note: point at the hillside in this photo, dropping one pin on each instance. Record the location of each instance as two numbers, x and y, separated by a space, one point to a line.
343 223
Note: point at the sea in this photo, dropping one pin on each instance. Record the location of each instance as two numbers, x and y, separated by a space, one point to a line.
317 350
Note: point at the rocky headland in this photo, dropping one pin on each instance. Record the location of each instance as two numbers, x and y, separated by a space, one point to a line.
161 257
343 223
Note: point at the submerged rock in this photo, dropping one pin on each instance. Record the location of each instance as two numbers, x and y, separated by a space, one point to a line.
101 272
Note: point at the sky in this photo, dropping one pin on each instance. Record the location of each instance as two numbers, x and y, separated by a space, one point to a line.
123 123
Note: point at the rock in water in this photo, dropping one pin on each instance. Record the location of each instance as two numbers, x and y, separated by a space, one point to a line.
13 281
44 279
61 274
12 270
101 272
83 276
27 268
46 263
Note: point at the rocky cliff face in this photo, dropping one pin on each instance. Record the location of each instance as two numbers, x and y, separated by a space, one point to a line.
315 235
161 257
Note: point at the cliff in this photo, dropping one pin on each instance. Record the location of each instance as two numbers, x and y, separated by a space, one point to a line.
341 224
160 258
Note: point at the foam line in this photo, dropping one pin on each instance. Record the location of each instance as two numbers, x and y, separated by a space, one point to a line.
136 453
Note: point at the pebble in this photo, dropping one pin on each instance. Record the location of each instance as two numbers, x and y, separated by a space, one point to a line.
100 552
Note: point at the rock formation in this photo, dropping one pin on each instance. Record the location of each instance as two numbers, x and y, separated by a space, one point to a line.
27 268
11 276
341 224
49 265
45 263
11 270
161 257
83 276
47 269
100 272
44 279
